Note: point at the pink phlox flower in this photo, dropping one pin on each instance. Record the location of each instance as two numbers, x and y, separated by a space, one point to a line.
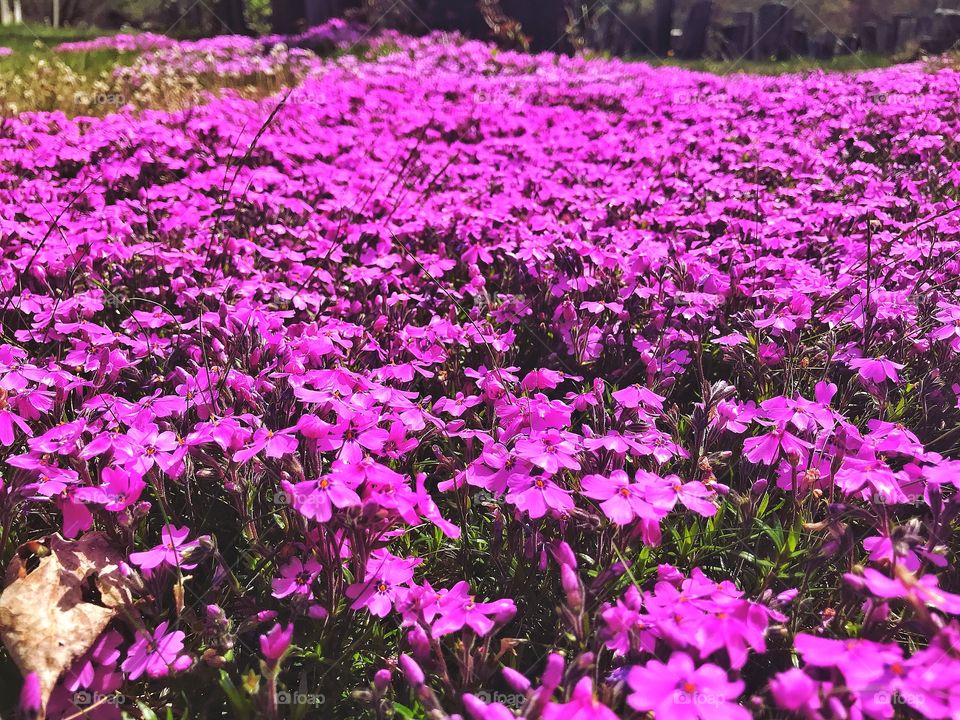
157 654
583 705
679 690
388 578
121 488
273 443
876 370
539 495
173 551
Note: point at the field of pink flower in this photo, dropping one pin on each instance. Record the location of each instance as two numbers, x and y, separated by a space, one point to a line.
458 383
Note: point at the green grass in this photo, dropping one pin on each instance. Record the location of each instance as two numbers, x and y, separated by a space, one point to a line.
39 41
844 63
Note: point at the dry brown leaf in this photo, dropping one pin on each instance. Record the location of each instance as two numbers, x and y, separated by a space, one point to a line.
46 617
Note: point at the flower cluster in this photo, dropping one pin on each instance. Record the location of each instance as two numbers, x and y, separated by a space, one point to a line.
479 384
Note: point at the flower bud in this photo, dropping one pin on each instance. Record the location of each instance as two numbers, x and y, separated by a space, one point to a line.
381 679
553 673
571 586
563 553
31 697
412 671
516 680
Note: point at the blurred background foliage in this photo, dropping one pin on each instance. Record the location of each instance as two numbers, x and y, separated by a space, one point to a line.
188 17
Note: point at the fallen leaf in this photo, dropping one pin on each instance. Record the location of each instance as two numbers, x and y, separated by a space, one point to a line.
52 614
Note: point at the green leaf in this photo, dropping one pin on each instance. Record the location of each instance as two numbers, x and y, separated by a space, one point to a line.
145 712
240 705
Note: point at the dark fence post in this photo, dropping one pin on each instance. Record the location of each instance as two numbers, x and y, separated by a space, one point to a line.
774 27
662 26
693 42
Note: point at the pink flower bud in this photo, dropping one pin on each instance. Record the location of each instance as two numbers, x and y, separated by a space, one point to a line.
516 680
563 554
31 702
275 643
381 680
412 671
571 586
553 673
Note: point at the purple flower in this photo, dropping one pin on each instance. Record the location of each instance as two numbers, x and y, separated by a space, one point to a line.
387 580
275 643
457 608
539 495
876 370
583 705
157 654
296 577
793 690
173 550
678 690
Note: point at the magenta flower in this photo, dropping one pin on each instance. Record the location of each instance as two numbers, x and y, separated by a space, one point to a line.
9 420
766 448
480 710
539 495
275 643
388 578
31 697
622 500
296 577
393 443
583 705
173 550
495 468
793 690
694 495
120 490
456 406
157 654
637 396
924 590
274 444
678 690
876 370
151 446
411 670
457 609
316 499
551 450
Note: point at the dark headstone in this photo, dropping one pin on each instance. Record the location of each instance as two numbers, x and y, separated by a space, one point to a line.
738 36
823 46
633 35
906 32
543 21
662 26
946 30
849 44
774 26
869 38
693 41
799 42
885 36
316 12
